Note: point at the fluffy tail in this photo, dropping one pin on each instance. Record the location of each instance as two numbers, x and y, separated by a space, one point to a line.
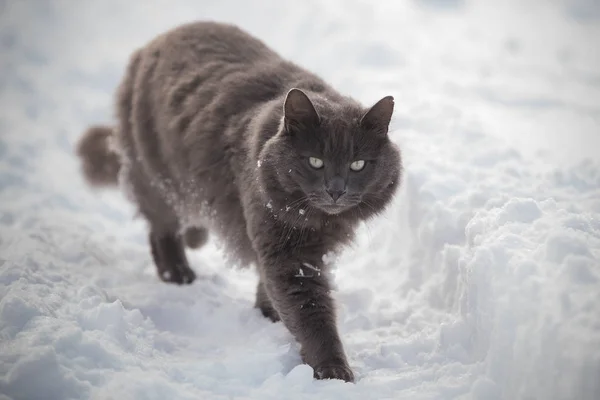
100 163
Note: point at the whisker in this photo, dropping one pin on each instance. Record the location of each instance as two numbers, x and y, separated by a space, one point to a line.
295 205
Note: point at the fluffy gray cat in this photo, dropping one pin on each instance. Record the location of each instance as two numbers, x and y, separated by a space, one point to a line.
216 132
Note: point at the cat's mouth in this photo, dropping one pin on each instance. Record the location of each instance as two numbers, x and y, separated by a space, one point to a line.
333 209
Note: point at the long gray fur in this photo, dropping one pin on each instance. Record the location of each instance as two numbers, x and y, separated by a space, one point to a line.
214 133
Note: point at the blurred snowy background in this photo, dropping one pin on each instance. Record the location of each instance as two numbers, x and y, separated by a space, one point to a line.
481 282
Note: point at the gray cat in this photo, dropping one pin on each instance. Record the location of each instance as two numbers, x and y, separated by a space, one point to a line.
216 132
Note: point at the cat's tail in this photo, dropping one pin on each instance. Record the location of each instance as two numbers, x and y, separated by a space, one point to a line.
100 163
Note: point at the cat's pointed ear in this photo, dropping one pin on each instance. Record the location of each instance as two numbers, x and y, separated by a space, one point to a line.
379 116
299 111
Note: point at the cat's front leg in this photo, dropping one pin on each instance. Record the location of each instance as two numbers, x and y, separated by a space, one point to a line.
263 303
299 292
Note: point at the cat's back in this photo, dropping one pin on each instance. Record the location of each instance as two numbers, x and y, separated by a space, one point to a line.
176 85
208 72
196 42
183 106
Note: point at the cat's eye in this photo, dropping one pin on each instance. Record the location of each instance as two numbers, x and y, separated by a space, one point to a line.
357 165
315 162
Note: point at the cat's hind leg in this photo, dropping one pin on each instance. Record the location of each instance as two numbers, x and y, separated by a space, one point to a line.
195 236
169 257
166 243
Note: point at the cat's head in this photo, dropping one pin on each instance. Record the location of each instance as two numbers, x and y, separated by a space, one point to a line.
332 157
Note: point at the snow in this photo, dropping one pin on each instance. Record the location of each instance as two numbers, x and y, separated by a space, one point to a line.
482 281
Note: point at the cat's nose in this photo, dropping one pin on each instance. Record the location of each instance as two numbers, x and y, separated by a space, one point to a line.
336 187
336 194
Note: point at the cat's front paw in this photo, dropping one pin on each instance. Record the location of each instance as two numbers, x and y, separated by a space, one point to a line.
342 372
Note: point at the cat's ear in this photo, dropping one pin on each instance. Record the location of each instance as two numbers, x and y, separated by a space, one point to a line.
379 116
299 111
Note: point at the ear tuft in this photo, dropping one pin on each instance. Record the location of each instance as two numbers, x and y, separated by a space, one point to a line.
379 116
299 111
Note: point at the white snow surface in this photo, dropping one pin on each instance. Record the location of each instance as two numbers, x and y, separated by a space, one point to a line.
482 281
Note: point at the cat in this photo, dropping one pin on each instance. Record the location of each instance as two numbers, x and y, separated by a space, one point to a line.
217 133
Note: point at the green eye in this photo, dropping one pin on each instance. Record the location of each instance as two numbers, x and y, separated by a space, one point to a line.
315 162
357 165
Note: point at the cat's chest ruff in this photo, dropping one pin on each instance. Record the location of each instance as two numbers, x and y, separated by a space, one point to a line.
292 216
